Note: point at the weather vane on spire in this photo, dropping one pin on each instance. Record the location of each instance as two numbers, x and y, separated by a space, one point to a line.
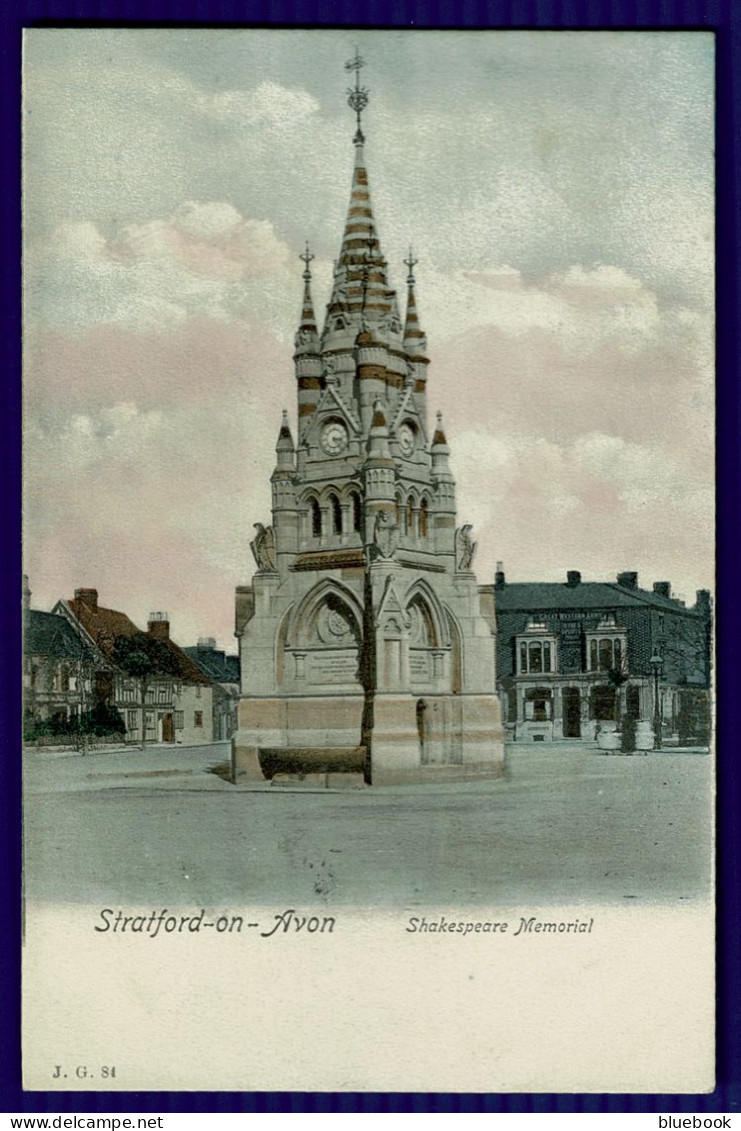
357 96
411 263
307 257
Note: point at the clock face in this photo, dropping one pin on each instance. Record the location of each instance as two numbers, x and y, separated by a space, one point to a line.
334 438
406 439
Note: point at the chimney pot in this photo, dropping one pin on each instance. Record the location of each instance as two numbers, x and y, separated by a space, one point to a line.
663 588
628 580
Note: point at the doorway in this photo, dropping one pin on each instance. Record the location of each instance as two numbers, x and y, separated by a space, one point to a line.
168 728
571 712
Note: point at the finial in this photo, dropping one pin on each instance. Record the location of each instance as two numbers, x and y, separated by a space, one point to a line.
411 263
307 257
357 95
439 418
284 419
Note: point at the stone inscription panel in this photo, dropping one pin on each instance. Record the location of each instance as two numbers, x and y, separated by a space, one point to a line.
419 666
332 667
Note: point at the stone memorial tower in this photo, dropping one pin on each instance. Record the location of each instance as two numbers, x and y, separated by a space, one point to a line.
366 643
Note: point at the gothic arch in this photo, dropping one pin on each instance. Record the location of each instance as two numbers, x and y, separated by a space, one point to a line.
280 648
422 593
326 592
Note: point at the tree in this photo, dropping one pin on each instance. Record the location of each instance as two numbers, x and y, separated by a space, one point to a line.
616 677
144 658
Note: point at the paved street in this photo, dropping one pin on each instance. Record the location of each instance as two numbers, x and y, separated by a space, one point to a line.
566 825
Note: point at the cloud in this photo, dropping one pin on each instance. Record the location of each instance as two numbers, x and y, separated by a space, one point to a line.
205 260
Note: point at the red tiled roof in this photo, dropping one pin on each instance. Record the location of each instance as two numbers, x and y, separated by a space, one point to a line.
104 625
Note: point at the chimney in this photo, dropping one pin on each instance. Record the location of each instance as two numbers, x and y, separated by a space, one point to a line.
702 602
573 577
628 580
158 626
499 576
663 588
88 598
207 643
26 594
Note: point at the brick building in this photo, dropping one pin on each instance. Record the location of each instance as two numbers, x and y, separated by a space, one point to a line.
575 657
177 705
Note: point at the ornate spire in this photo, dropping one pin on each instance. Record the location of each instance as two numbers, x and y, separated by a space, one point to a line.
307 336
360 292
414 340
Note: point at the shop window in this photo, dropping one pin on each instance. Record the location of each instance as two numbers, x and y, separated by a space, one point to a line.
538 705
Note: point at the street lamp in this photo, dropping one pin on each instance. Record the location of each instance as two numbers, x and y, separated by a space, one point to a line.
657 663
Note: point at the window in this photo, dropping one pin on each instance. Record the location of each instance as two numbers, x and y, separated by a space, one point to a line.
410 515
163 693
64 678
198 719
150 695
357 513
316 519
605 653
538 705
199 691
128 693
400 514
132 720
423 519
178 720
539 655
336 512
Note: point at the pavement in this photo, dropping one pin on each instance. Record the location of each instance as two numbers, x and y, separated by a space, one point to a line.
566 824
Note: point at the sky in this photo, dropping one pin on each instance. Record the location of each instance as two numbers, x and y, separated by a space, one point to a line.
557 188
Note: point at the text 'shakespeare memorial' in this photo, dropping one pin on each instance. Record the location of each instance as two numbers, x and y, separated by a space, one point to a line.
366 643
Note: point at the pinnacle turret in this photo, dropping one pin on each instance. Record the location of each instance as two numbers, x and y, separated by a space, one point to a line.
415 342
307 338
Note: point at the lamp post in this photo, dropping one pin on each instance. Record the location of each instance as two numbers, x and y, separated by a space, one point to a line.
657 663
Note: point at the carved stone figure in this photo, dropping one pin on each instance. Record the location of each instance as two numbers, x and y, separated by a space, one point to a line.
385 535
465 547
263 547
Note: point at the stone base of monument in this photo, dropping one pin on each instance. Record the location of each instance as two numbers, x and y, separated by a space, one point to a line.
437 738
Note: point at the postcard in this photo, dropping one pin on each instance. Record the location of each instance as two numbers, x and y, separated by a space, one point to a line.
368 609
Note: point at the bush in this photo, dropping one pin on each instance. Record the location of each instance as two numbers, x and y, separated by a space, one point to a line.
628 734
